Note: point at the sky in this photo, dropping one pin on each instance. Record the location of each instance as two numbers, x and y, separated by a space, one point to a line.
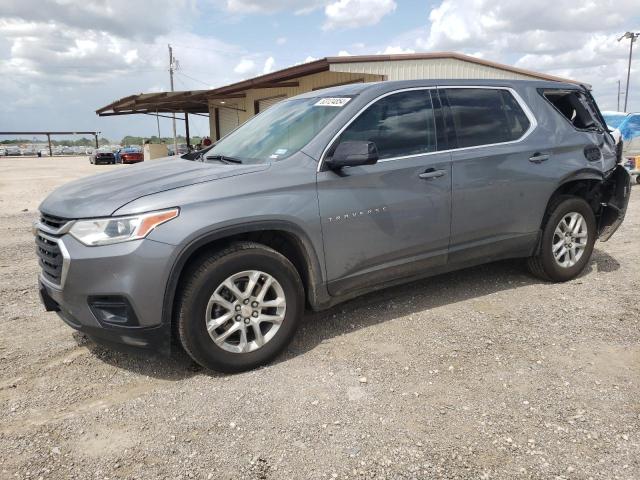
62 59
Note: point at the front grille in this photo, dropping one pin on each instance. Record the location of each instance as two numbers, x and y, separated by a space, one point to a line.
50 252
49 257
52 221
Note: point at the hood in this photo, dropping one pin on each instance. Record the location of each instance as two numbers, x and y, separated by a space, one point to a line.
101 195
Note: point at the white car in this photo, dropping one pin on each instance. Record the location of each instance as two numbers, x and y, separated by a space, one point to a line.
13 150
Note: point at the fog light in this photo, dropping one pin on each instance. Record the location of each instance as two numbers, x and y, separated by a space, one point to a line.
113 311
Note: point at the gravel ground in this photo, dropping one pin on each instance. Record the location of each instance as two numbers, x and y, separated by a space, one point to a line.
482 373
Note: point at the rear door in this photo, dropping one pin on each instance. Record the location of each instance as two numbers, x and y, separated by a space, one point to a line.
389 220
495 173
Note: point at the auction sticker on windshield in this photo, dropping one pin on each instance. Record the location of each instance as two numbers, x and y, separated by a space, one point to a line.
332 102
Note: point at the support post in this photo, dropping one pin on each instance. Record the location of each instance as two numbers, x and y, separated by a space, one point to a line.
49 142
186 128
96 135
626 95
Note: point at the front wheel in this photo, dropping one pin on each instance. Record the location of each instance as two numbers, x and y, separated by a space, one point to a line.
240 307
567 240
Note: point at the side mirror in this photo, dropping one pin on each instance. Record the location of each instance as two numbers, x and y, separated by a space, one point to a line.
352 154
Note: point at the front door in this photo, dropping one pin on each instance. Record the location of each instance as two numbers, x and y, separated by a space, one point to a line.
392 219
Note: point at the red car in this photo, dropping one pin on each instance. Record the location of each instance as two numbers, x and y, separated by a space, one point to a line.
130 155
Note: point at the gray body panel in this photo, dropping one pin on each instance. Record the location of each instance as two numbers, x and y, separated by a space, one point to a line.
378 218
361 228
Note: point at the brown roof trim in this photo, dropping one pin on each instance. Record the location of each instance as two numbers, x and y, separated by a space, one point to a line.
444 55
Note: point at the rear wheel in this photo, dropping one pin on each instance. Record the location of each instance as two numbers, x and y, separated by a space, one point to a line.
240 307
567 240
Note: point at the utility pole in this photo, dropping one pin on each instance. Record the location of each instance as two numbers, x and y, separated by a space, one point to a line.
172 66
618 109
633 36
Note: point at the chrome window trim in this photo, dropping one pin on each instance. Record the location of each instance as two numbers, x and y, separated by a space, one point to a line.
533 123
66 261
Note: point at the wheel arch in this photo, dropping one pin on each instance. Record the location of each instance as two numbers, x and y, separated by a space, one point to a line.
607 193
584 184
284 237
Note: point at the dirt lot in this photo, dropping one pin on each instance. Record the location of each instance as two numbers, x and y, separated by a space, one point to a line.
483 373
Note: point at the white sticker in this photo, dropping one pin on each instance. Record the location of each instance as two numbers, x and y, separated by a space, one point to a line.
332 102
280 151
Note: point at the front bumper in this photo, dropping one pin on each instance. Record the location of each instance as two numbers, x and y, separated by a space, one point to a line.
136 272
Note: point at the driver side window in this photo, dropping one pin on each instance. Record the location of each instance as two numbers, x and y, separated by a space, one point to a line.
400 124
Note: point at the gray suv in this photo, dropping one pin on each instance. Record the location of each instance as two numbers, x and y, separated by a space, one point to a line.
326 196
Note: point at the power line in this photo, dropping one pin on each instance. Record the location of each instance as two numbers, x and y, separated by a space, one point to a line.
194 79
206 49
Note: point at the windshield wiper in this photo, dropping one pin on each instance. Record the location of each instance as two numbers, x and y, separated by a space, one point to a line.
223 159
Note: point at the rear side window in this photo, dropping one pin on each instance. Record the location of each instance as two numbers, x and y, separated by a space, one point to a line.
483 116
574 106
400 124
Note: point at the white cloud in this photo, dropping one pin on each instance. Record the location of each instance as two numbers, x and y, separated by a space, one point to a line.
268 65
310 59
343 53
245 66
63 66
300 7
356 13
281 40
113 16
391 50
558 37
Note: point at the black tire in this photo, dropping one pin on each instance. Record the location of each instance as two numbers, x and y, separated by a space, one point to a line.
201 282
637 178
543 263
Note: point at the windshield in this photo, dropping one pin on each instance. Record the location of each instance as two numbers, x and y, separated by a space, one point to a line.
279 132
614 119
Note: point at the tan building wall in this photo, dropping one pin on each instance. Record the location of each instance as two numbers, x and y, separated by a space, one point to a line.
445 68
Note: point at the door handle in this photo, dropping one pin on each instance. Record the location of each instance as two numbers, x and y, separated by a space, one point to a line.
539 157
431 173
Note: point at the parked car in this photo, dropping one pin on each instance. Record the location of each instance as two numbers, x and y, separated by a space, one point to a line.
326 196
129 155
182 149
102 156
632 164
13 150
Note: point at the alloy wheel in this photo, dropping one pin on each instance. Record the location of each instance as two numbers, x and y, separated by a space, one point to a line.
570 239
245 311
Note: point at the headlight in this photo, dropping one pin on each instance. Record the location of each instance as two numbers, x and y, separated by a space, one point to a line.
104 231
